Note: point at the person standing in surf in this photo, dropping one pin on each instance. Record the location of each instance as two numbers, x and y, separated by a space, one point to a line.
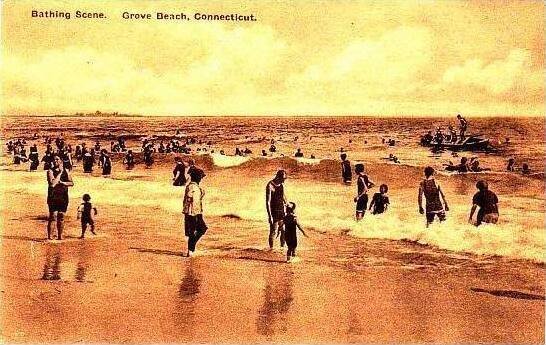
275 202
194 225
487 201
432 191
363 183
346 173
179 172
58 180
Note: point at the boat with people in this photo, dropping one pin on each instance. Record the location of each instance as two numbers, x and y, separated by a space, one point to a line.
469 143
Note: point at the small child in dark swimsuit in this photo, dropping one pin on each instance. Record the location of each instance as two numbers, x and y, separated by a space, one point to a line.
380 201
291 224
84 213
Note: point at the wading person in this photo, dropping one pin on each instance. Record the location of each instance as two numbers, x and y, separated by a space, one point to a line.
275 202
487 201
58 179
432 191
363 183
179 172
291 225
346 173
194 225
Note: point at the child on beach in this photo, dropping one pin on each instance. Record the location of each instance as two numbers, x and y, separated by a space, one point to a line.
363 184
291 224
380 201
84 213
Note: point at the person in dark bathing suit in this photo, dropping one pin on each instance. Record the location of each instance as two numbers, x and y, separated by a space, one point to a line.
487 201
363 184
58 180
432 191
84 213
106 163
179 172
380 201
346 173
34 158
129 160
275 202
291 225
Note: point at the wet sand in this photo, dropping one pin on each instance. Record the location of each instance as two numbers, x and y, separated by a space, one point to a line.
131 283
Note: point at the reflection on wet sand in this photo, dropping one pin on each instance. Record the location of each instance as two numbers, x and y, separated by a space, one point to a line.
278 297
81 266
189 285
185 304
52 264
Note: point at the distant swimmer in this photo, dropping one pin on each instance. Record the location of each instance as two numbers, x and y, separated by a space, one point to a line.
129 160
380 201
88 161
291 225
525 170
298 153
346 173
363 184
86 216
33 158
432 191
487 201
179 172
264 154
475 165
58 180
48 160
511 165
463 125
275 202
148 156
194 224
272 148
106 163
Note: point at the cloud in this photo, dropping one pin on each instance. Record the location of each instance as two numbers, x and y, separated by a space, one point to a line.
511 78
231 68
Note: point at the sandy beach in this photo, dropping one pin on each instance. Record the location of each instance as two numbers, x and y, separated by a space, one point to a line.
131 284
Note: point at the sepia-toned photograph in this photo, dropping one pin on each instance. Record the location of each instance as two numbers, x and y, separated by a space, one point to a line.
272 172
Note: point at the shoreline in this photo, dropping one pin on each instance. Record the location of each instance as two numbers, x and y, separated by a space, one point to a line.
344 289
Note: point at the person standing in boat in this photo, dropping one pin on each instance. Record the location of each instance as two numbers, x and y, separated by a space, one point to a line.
463 125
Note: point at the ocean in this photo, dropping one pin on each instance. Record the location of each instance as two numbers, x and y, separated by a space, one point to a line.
235 185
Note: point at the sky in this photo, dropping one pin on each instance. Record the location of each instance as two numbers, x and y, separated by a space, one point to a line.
299 58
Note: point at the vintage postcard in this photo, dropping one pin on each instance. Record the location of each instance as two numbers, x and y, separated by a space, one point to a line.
284 172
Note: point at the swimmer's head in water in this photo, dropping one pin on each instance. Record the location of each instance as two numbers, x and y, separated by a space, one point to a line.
359 168
280 176
86 197
383 188
343 156
482 185
177 159
290 207
429 171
